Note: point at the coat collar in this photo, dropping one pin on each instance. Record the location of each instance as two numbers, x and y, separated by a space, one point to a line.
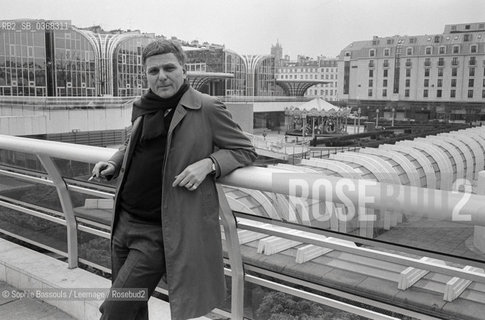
191 99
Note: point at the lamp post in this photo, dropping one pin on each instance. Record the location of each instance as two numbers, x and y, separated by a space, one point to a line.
358 120
393 115
355 121
377 118
303 125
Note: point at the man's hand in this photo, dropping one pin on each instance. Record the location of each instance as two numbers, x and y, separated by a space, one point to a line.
102 169
192 176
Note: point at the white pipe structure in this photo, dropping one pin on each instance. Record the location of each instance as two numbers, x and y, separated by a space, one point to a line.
353 193
430 203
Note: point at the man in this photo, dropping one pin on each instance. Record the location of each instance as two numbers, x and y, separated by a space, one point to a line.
166 219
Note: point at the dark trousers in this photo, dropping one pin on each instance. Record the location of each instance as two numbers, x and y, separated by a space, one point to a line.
137 261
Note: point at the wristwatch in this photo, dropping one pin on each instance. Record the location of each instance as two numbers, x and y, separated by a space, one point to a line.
213 167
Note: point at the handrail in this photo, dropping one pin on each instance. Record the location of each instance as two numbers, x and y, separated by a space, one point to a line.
430 203
55 149
446 205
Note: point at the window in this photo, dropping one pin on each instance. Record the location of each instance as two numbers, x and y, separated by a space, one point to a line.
428 50
384 92
454 62
470 93
386 63
441 62
483 83
439 83
385 72
427 62
473 48
453 83
371 73
456 49
438 93
408 72
483 93
384 82
471 72
467 37
454 72
408 63
371 82
387 52
426 83
409 51
440 72
471 83
437 39
442 50
453 93
372 53
426 72
369 92
473 61
408 83
406 93
371 63
425 93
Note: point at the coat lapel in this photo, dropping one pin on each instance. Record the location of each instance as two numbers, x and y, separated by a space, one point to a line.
190 100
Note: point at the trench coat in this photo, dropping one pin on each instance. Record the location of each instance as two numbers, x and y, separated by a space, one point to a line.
201 127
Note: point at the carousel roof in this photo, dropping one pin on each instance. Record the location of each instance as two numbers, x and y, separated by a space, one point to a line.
318 107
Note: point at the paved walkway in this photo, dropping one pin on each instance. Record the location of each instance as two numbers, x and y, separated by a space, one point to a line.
12 306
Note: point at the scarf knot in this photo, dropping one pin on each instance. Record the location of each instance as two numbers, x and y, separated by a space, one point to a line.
153 109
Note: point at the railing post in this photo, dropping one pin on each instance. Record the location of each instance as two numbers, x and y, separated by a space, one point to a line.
479 231
67 208
234 252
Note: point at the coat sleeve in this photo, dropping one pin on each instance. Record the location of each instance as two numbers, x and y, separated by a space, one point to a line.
233 149
117 160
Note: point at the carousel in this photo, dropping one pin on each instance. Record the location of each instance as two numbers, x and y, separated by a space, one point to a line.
317 118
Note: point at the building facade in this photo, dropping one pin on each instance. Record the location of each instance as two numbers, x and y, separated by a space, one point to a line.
440 76
46 60
304 70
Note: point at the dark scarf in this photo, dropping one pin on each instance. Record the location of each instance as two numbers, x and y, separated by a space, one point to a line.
153 109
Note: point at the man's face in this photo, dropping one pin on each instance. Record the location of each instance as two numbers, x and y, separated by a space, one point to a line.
165 74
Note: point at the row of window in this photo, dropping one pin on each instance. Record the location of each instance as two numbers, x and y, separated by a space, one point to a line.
439 83
467 37
439 93
455 49
307 76
427 71
289 70
472 61
314 92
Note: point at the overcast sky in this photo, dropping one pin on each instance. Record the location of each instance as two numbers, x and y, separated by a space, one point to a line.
306 27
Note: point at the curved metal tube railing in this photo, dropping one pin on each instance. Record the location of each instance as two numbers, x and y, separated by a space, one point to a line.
437 204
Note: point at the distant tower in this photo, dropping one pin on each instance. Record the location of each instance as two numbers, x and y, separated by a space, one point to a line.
277 52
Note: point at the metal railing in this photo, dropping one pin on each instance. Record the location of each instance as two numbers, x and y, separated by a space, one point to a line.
447 205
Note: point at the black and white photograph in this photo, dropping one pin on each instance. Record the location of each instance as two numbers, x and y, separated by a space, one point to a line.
242 160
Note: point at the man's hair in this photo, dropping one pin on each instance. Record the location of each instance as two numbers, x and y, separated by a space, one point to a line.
161 47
